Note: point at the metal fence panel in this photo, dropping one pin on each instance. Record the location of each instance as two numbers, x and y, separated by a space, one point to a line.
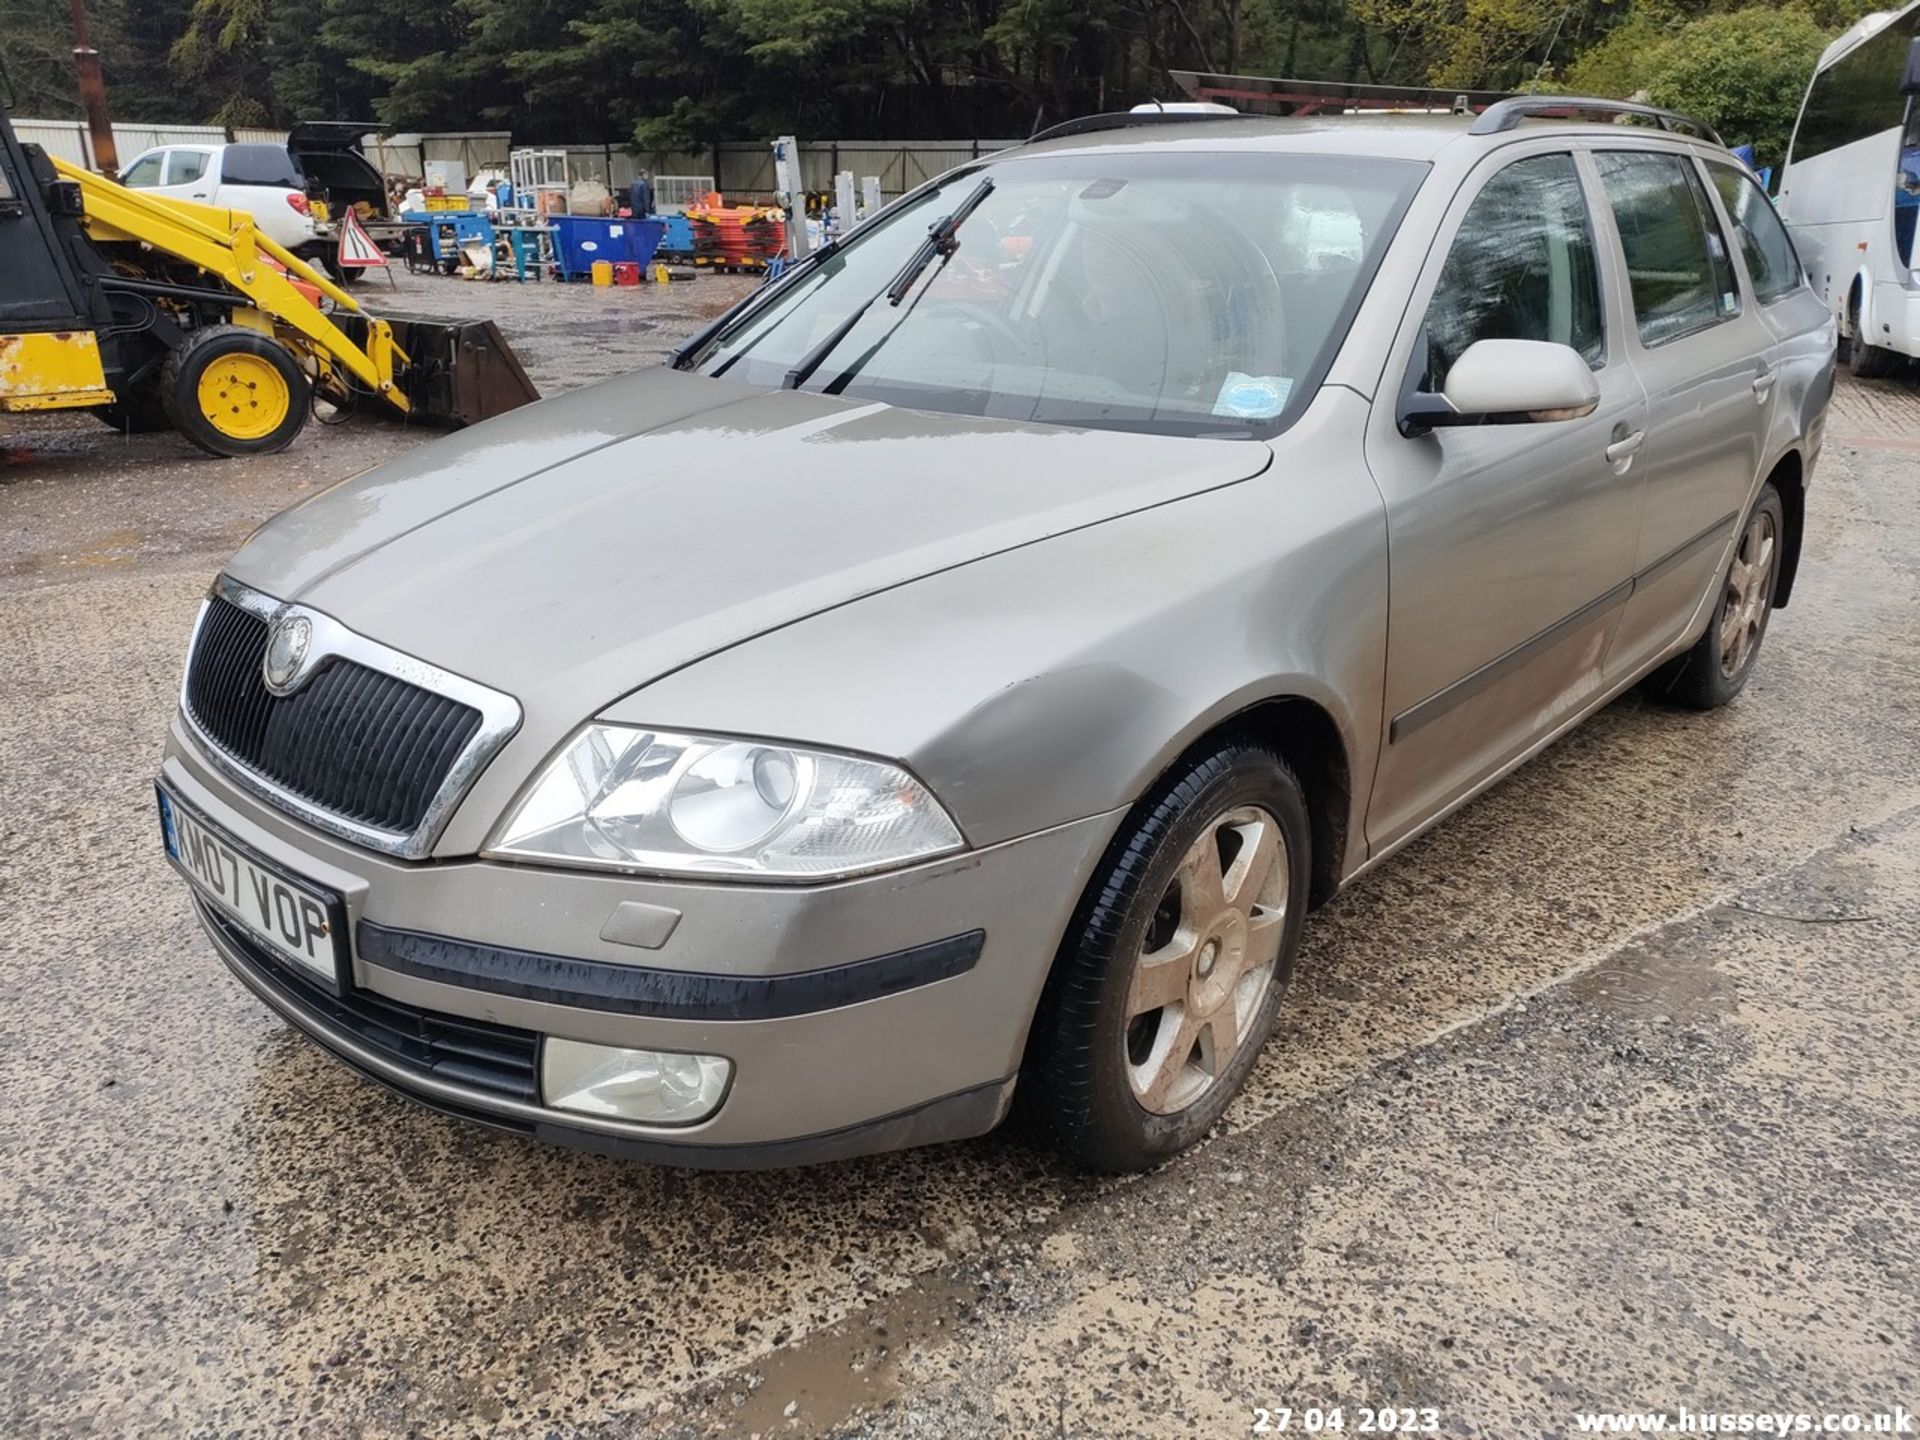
64 139
742 169
132 139
69 140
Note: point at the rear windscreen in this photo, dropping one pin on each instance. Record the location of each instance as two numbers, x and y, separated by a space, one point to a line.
261 165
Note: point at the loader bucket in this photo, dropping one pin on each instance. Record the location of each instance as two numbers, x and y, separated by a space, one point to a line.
458 372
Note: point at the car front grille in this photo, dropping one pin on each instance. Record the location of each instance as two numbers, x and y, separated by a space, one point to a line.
356 742
497 1059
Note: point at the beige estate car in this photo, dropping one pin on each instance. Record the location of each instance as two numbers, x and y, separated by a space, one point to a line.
949 683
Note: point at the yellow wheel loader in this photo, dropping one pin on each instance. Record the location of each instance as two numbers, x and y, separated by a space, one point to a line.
156 313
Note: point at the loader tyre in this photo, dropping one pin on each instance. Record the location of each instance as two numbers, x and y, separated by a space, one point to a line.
233 391
137 413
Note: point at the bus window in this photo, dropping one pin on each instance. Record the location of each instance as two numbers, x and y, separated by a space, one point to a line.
1856 96
1906 194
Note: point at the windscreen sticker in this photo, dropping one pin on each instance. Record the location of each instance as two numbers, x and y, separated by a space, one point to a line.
1253 397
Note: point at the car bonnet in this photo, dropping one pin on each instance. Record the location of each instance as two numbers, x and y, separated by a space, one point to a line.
574 550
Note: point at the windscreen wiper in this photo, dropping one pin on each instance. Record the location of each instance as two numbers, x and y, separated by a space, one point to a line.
942 240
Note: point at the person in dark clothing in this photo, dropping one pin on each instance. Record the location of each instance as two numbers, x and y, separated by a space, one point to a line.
641 196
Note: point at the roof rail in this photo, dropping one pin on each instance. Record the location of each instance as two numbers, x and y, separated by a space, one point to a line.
1505 114
1279 95
1121 119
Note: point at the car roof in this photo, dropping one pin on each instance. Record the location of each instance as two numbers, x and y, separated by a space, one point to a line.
1393 136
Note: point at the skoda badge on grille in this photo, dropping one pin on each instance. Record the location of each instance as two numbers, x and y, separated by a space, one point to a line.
286 658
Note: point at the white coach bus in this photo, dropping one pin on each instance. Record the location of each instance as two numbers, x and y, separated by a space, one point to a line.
1850 189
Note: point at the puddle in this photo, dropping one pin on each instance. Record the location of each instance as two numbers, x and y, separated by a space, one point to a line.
1659 986
854 1366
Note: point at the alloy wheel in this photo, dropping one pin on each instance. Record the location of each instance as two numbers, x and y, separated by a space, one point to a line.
1749 594
1207 960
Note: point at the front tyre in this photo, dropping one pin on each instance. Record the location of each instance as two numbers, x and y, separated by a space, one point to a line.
234 391
1716 668
1869 362
1172 971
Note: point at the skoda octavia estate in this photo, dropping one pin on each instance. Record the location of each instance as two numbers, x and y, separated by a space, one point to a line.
948 683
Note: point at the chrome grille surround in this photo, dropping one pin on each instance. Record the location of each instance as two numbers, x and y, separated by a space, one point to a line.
499 713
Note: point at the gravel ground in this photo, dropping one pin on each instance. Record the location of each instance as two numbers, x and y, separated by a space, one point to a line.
1603 1095
80 497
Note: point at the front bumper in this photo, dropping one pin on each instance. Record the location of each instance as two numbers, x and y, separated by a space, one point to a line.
860 1016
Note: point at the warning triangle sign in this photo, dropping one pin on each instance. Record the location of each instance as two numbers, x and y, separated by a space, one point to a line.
356 246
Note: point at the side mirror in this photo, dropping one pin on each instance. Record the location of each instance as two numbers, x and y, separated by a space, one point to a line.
1910 73
1501 382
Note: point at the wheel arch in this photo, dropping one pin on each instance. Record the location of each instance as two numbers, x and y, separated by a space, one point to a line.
1307 737
1789 478
1306 734
1860 294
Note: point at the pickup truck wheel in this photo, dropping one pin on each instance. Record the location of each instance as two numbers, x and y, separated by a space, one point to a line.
1172 971
233 391
1716 668
329 260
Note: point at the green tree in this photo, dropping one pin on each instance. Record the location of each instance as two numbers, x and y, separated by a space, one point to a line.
1742 72
224 52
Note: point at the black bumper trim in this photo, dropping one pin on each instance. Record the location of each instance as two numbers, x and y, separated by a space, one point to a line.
958 1116
662 994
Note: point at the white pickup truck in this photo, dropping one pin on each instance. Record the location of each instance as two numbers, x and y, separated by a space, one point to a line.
294 192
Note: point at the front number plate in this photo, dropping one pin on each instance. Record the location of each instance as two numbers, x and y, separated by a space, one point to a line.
299 922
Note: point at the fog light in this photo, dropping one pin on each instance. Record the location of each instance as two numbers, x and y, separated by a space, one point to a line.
658 1087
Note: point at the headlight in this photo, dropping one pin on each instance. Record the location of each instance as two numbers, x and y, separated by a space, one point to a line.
633 799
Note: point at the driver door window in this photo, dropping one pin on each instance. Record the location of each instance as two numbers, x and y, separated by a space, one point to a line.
1521 268
185 166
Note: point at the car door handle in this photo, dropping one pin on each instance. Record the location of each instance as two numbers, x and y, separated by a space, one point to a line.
1624 447
1763 382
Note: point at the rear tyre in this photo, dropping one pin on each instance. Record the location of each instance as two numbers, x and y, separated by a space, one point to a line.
138 412
233 391
329 260
1716 668
1869 362
1172 971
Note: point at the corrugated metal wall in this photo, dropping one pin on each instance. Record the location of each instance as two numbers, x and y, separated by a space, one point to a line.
742 168
69 140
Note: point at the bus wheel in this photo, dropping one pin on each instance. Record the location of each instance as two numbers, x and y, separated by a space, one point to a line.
1869 362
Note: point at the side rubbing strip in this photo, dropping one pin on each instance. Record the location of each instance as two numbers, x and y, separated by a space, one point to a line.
1713 534
1439 703
667 994
1465 688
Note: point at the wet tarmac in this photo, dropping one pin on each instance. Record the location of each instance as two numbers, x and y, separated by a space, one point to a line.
1602 1096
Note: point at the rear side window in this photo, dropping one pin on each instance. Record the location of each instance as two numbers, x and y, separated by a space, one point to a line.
1521 268
1769 254
261 165
143 172
1677 262
185 166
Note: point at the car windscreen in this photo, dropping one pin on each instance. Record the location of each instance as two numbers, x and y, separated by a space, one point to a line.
1177 293
260 165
